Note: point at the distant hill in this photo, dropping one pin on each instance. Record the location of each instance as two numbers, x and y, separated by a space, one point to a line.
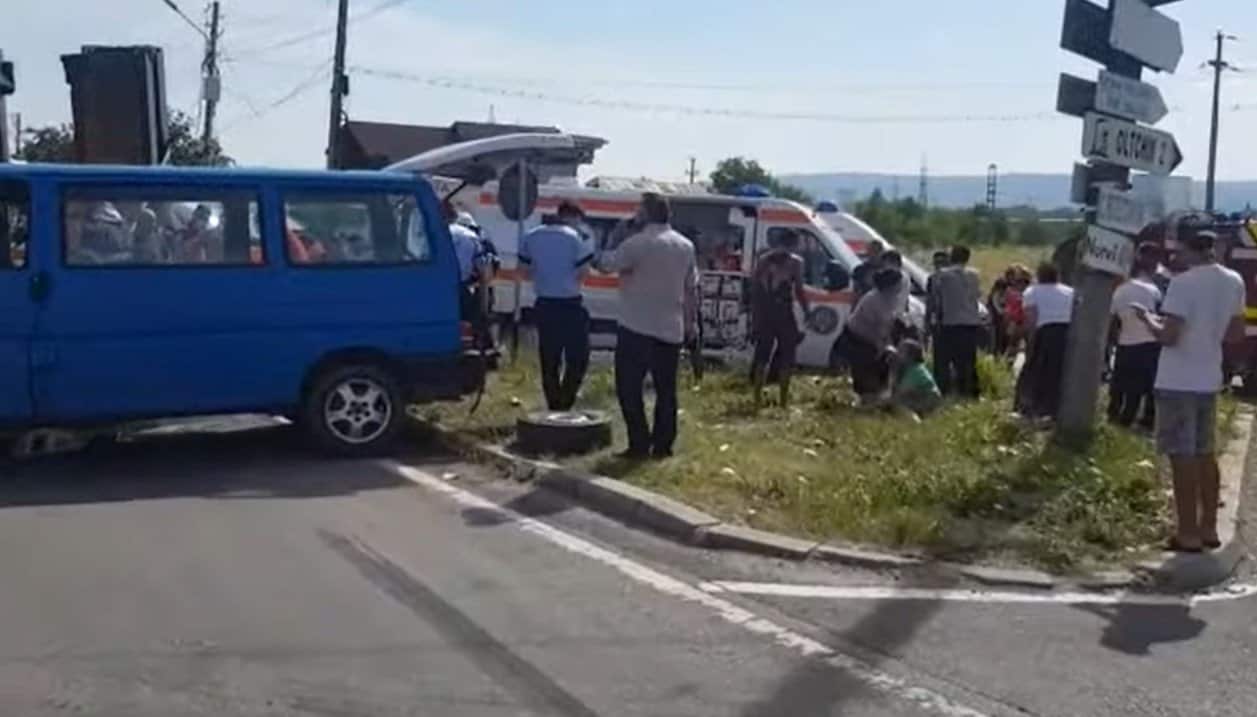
1043 191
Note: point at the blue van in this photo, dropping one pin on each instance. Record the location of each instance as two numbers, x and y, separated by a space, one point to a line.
146 292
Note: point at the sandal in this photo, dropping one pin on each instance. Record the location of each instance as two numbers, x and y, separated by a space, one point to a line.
1174 546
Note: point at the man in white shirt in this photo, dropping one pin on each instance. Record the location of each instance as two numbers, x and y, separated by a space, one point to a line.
658 310
1203 308
1135 361
1049 309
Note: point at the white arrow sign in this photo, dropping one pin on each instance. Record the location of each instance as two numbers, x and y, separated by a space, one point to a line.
1108 251
1145 34
1129 145
1132 99
1126 211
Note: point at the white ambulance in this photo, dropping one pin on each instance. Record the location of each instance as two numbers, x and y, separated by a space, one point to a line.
729 233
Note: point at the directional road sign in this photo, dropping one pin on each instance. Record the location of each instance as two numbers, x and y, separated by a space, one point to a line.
1075 96
1108 251
1086 32
1112 95
1145 34
1082 186
1129 145
1132 99
1127 212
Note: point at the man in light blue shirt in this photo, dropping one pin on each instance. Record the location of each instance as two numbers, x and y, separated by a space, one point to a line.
556 256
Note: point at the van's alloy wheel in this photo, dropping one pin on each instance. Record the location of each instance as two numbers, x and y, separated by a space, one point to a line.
354 409
357 410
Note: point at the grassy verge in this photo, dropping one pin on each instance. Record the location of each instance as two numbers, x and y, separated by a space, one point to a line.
970 483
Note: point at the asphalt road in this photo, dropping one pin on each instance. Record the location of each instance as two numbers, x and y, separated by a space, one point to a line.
235 574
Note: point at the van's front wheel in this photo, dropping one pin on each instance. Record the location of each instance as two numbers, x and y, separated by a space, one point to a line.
354 409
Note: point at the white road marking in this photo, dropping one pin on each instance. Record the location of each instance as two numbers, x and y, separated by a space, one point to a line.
836 592
726 610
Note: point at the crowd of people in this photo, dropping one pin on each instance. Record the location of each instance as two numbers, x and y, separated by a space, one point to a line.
1170 319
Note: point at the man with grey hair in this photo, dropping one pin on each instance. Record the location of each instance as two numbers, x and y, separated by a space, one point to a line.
658 310
1203 308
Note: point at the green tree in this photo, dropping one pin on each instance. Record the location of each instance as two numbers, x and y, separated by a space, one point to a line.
55 143
186 148
734 173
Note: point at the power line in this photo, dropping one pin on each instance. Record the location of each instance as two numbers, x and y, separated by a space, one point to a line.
307 83
195 26
637 106
320 32
451 83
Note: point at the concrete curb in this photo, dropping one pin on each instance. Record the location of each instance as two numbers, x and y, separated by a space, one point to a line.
641 507
1185 571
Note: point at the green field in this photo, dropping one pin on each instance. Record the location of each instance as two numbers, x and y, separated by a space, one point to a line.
972 482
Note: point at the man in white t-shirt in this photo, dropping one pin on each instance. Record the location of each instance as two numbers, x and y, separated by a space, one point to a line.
1135 361
1203 308
1049 307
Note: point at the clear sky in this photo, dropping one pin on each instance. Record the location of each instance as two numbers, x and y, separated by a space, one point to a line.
801 85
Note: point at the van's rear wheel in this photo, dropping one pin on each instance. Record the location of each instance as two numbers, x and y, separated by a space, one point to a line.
354 409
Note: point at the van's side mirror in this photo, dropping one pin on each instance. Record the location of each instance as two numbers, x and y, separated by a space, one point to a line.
837 278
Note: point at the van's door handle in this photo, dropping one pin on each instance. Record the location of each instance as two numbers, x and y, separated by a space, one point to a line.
41 286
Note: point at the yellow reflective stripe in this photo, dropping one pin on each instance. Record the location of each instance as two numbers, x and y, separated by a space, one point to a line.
1250 313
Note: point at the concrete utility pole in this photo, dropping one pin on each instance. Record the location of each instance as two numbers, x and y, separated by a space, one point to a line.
1218 66
211 87
693 170
339 82
1125 37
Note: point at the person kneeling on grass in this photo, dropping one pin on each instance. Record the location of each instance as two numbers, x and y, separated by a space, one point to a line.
915 389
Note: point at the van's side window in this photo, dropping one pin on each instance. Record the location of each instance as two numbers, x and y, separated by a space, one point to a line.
358 229
136 226
815 257
15 223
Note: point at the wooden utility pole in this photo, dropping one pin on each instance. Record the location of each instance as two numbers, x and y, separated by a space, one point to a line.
210 87
339 83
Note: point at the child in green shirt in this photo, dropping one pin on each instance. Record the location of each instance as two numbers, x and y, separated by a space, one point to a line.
915 389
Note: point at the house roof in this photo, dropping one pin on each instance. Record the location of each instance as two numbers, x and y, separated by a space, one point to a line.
393 142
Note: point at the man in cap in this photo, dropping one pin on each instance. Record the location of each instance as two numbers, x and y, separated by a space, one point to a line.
1203 308
557 257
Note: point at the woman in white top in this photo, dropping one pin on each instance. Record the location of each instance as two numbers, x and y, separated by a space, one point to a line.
1049 306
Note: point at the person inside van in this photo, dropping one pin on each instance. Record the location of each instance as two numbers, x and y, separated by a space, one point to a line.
775 287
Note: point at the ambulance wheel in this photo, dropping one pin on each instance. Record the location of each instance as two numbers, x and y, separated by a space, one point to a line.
354 409
563 432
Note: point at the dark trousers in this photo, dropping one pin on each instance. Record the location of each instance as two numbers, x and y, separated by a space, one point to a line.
1044 368
956 360
1134 374
635 356
869 369
563 343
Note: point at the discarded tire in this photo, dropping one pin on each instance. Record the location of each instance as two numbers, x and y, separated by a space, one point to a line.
563 432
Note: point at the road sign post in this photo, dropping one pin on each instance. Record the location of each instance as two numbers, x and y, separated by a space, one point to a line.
1127 36
1126 144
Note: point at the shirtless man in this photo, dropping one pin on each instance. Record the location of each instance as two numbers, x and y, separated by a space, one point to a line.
775 286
